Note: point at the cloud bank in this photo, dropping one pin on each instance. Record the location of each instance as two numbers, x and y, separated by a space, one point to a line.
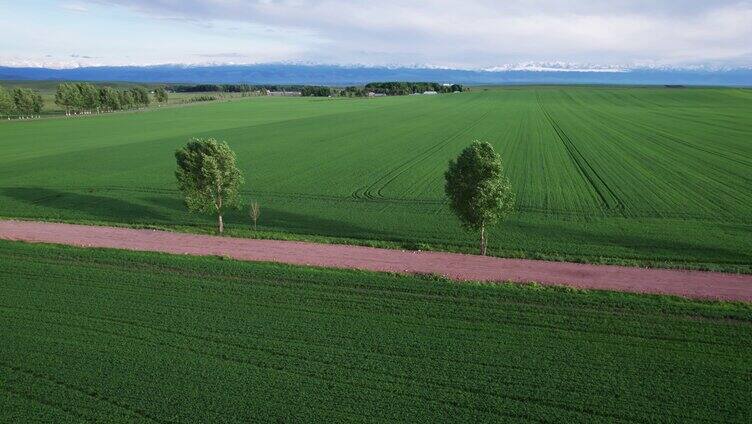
469 34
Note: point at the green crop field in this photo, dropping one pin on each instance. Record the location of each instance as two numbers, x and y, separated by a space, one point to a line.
657 176
115 336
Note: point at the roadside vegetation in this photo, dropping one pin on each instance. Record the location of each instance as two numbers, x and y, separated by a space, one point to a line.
92 334
209 178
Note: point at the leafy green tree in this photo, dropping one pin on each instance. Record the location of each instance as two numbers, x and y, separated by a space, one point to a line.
208 177
160 94
89 100
140 96
68 96
7 107
401 88
37 102
315 91
109 99
353 91
126 99
60 98
478 191
27 102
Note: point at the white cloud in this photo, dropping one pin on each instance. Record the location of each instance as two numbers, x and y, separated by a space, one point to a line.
75 7
454 33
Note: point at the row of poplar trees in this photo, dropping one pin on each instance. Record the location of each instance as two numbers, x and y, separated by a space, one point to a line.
83 97
21 102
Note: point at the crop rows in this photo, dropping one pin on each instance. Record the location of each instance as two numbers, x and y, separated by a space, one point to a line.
645 174
121 336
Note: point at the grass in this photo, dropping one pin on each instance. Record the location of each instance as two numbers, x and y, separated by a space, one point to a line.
646 176
117 336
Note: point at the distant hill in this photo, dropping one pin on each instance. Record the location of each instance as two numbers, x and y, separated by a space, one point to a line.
342 75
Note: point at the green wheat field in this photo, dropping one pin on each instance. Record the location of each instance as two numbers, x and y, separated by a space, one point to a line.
116 336
653 176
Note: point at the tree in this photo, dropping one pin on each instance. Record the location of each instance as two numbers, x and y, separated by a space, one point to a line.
27 102
89 100
68 96
208 177
7 107
126 99
255 212
60 98
478 191
160 95
315 91
37 102
140 96
24 101
109 98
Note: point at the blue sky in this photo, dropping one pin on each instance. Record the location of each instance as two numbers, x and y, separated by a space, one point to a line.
471 34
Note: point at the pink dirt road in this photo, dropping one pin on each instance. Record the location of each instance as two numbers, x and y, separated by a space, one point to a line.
694 284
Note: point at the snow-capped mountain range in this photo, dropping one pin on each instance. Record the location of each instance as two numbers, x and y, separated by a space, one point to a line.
311 73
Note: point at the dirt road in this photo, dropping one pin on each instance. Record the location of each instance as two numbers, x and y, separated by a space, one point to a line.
695 284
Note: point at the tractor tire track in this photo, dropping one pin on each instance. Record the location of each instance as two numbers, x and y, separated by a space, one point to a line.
609 200
374 191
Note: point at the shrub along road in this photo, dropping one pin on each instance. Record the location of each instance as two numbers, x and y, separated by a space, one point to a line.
694 284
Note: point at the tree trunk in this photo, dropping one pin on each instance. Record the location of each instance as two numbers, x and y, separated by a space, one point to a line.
483 240
220 224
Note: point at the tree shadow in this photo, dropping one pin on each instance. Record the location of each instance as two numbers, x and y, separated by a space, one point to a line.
167 202
276 219
313 224
87 204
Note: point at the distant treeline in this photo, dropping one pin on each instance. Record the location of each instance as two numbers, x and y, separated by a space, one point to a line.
82 97
397 88
22 102
315 91
386 88
203 98
230 88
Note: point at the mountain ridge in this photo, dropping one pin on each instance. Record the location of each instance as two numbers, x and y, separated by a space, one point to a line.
281 73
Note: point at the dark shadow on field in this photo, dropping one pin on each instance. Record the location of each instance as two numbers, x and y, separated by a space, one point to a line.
645 246
293 221
84 203
167 202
